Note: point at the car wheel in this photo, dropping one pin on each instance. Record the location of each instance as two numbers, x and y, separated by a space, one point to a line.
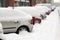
1 39
22 28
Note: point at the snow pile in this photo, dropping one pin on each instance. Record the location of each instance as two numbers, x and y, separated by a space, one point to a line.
58 28
1 32
12 36
50 25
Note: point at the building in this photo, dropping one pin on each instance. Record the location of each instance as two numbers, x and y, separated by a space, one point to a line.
6 3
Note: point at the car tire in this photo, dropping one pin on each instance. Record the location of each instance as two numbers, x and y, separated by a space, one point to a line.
1 39
21 28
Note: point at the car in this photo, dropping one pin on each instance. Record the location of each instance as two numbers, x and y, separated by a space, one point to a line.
44 9
48 8
15 21
37 15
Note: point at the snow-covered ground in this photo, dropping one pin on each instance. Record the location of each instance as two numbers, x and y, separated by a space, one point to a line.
47 30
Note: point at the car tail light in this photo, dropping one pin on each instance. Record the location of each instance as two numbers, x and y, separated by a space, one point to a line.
48 12
32 20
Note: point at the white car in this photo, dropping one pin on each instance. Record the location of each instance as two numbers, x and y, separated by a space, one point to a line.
43 9
32 11
46 6
15 21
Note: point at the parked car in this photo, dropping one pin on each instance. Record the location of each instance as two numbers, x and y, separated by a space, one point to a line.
44 9
15 21
37 15
48 8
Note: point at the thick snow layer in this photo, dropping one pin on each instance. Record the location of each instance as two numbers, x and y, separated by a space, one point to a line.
1 32
58 28
29 10
34 11
43 8
9 14
47 30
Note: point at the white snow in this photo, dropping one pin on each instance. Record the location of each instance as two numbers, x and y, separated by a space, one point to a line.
44 31
9 14
29 10
1 32
43 8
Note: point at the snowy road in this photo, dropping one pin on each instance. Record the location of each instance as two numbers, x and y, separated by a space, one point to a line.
44 31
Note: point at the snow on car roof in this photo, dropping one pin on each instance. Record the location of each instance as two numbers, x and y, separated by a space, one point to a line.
43 8
7 14
29 10
34 10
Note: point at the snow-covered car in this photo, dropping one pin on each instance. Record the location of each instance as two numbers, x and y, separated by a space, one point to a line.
43 9
46 7
36 14
15 21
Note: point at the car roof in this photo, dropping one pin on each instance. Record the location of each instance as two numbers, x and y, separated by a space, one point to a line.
11 14
29 10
